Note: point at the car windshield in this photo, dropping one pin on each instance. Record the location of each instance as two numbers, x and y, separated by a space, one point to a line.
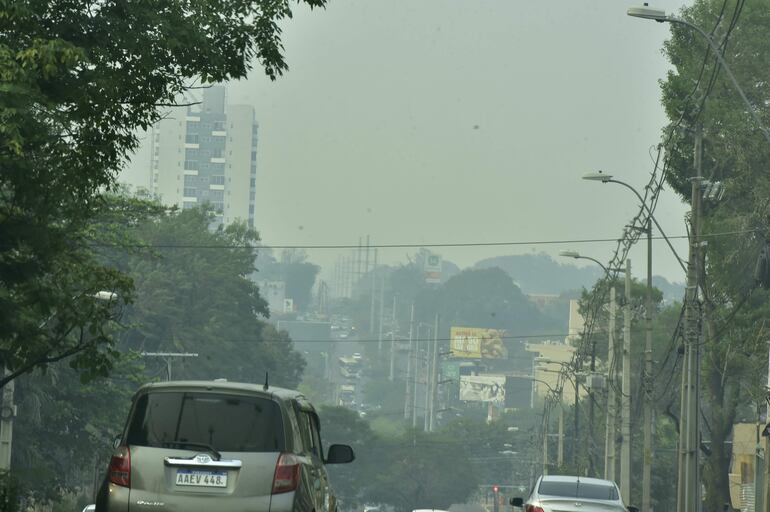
229 423
578 490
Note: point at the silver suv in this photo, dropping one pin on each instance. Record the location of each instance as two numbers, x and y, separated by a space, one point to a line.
220 446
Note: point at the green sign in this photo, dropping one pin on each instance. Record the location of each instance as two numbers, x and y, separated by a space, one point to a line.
450 370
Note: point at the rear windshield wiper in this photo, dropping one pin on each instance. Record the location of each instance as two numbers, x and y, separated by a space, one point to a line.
211 449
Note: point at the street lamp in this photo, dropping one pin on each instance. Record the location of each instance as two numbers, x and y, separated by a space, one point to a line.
576 255
647 378
659 15
608 178
609 453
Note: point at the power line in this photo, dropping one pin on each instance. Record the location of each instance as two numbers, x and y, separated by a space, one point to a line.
407 245
349 340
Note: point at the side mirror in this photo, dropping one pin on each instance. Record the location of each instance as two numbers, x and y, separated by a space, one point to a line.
519 502
340 454
116 442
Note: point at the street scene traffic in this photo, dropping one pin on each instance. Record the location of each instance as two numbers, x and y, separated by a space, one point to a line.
402 256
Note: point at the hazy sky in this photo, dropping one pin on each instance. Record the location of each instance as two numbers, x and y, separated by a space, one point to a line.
427 121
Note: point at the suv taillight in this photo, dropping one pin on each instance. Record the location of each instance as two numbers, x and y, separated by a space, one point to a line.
532 508
286 477
119 472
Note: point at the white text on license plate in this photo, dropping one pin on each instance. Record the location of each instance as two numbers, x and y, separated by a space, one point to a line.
201 478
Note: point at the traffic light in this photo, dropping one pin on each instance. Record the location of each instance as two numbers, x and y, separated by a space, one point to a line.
496 488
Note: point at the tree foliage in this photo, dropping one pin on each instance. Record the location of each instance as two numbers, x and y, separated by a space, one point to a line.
699 95
78 79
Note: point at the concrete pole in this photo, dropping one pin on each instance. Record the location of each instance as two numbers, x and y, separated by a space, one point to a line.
408 393
647 383
560 452
391 375
434 377
545 440
426 410
688 483
372 289
416 374
625 399
8 411
382 309
611 425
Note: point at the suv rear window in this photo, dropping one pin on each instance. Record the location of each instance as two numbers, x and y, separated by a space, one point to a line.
578 490
227 423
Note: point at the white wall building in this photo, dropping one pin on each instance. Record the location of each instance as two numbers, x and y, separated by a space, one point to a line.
207 153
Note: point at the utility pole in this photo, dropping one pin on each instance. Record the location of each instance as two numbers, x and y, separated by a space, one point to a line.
625 399
576 434
373 287
689 430
545 438
7 414
611 438
382 309
434 379
167 357
426 411
416 374
647 382
409 377
391 375
560 450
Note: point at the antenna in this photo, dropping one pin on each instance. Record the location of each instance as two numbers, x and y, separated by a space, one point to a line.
267 381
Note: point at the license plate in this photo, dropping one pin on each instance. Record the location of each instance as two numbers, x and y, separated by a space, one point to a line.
198 478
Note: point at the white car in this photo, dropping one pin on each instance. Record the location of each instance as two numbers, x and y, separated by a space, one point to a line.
89 508
572 493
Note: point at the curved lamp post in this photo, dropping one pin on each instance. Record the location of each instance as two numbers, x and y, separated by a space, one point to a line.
659 15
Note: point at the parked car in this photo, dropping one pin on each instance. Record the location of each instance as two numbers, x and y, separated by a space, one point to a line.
554 493
215 445
89 508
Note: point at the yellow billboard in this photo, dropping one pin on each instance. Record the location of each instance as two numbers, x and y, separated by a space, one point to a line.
477 343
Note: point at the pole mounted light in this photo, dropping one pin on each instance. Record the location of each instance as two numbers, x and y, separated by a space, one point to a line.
649 13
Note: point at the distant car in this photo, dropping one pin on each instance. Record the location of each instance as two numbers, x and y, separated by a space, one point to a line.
557 493
89 508
201 446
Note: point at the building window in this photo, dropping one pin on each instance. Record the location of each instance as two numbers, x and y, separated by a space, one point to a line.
217 180
190 192
191 138
216 195
191 165
217 153
251 209
253 156
253 182
191 154
190 181
188 204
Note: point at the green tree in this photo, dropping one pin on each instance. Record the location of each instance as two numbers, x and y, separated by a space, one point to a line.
201 300
78 81
736 154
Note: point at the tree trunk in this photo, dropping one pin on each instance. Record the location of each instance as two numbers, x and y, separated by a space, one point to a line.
721 412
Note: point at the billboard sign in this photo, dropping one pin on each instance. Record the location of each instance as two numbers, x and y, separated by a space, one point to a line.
477 343
482 388
432 269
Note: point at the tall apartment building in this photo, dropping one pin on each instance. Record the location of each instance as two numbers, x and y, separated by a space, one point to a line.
207 154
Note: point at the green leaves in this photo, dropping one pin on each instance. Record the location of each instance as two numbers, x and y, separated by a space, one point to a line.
76 81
